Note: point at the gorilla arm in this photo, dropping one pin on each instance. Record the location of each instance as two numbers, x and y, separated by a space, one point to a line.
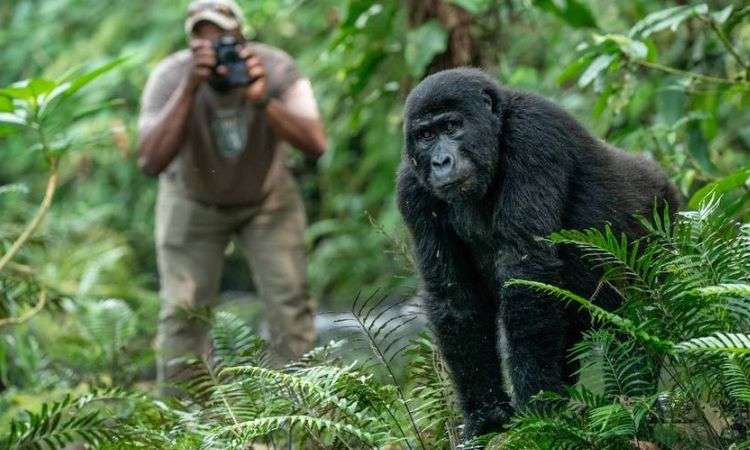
462 315
535 145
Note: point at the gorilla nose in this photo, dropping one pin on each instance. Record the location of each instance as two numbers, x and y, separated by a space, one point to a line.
442 164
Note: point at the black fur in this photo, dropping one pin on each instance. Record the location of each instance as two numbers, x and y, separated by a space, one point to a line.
525 168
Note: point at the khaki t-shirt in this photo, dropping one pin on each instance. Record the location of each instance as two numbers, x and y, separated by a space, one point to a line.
230 156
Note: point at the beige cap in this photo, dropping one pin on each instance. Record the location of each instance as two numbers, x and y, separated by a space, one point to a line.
225 14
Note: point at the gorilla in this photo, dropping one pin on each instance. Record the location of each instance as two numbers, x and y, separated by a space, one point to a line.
486 173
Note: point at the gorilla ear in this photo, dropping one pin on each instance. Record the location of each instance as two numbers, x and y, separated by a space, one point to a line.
487 100
489 97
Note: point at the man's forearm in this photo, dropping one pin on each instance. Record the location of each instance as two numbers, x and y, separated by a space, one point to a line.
305 134
161 141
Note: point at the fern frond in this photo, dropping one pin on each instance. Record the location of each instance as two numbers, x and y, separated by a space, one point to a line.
722 290
436 408
719 342
110 325
736 379
381 339
315 394
71 419
624 324
234 342
266 425
621 261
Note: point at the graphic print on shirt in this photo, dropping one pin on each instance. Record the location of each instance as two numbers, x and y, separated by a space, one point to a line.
229 131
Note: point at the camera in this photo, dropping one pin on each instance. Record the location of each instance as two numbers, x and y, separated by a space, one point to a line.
228 56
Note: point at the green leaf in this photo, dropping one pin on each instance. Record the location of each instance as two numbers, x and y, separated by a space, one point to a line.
18 91
41 86
12 119
14 188
598 312
473 6
6 104
79 82
575 68
671 104
635 49
423 44
574 12
727 289
722 16
601 63
732 343
697 146
718 187
90 111
667 18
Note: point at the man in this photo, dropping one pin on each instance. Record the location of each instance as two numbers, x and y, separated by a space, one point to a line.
218 152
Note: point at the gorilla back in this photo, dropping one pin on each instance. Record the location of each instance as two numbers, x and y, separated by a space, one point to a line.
486 172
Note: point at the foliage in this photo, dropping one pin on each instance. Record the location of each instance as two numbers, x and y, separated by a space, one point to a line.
674 351
670 368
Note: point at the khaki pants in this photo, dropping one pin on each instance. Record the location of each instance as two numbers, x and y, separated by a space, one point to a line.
190 242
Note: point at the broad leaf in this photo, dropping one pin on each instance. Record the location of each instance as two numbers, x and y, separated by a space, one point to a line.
667 18
574 12
6 104
718 187
601 63
14 188
697 146
12 119
79 82
635 49
723 15
422 45
575 68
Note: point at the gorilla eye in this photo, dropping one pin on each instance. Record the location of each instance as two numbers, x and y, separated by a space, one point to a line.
452 126
425 134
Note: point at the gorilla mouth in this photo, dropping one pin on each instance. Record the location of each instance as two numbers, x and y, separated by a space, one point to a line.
450 186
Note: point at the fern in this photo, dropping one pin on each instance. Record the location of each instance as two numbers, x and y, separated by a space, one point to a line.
265 425
600 313
69 420
682 331
435 409
736 379
720 342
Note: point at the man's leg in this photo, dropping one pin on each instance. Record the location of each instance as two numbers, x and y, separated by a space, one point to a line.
273 241
190 243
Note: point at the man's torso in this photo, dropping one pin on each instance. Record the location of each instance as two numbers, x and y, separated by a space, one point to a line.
230 156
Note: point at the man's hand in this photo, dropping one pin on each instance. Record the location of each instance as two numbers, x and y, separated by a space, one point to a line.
203 62
257 91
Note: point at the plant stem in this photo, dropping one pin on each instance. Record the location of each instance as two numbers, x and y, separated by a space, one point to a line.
29 314
727 44
697 76
52 182
381 357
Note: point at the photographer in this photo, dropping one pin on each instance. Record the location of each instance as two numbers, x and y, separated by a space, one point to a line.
212 124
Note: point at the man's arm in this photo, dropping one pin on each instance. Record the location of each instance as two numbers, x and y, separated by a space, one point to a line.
300 127
304 133
163 128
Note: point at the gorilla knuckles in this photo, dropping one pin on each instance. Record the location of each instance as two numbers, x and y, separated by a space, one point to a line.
486 172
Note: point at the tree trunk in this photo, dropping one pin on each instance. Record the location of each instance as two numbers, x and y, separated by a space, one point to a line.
462 50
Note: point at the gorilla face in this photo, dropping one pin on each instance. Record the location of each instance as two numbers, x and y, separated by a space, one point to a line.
452 137
439 138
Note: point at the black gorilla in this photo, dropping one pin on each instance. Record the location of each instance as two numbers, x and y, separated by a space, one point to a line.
486 171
